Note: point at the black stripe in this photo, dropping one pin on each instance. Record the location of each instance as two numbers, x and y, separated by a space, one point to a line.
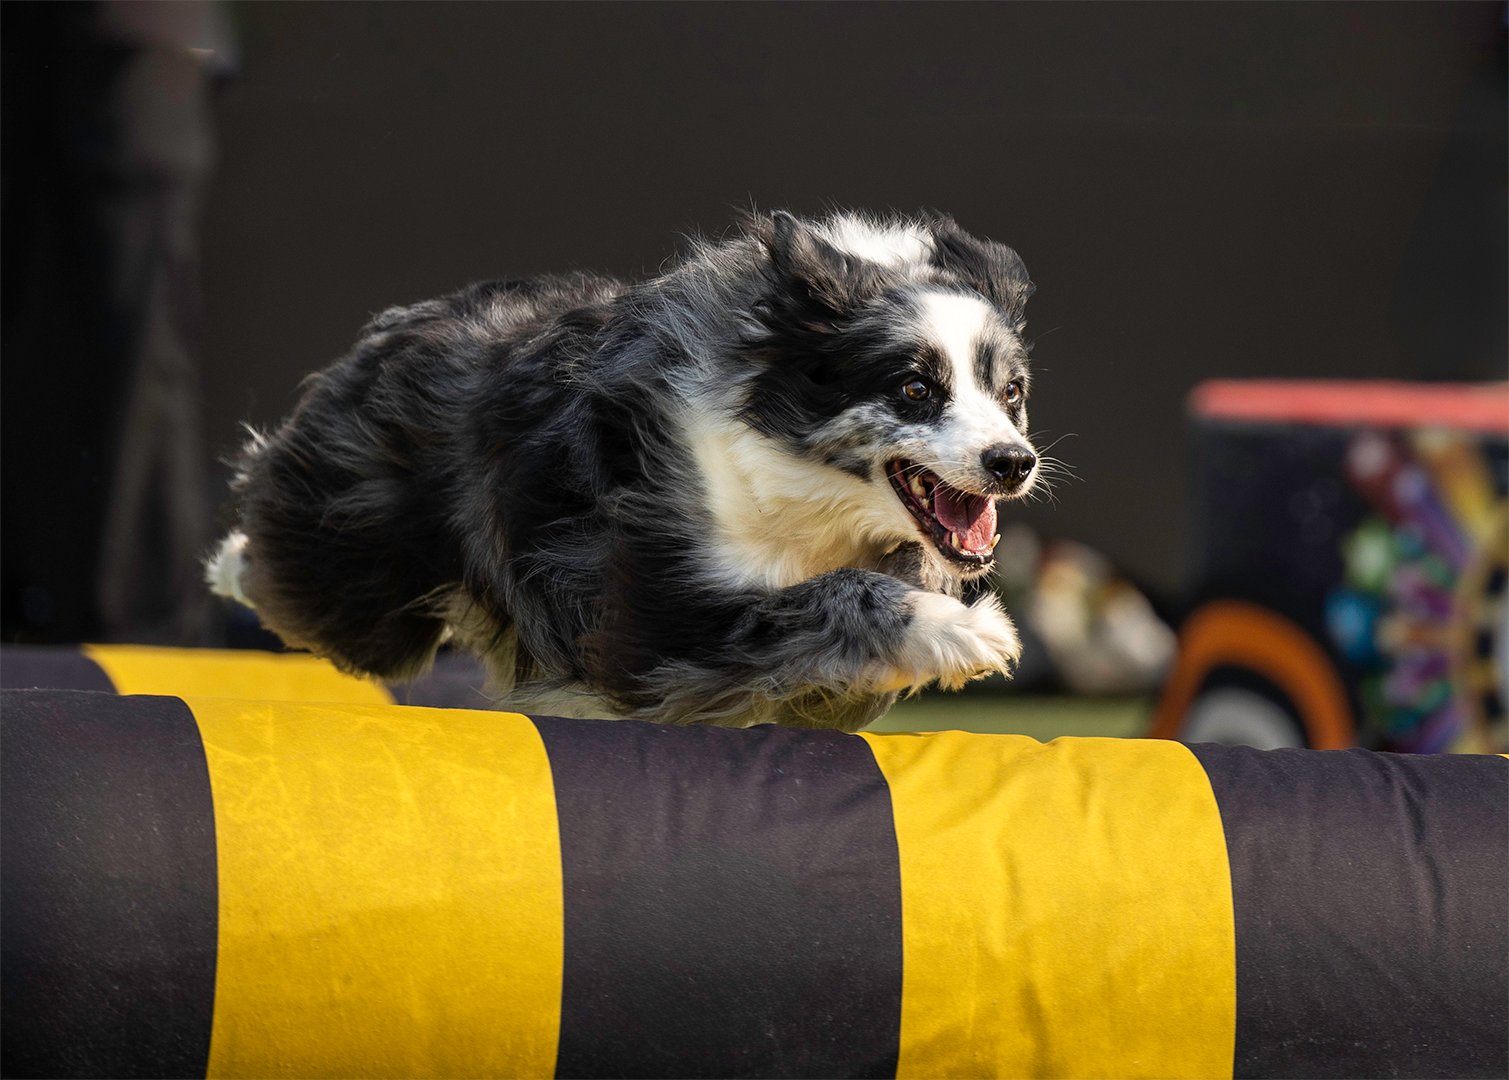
456 681
107 946
1371 895
732 902
27 666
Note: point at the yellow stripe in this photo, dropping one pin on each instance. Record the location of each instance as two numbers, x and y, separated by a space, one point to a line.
390 892
1066 908
237 673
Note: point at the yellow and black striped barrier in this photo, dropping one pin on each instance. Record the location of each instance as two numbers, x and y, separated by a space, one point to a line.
456 681
206 886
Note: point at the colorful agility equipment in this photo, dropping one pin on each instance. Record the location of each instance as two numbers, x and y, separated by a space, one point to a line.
215 887
1351 546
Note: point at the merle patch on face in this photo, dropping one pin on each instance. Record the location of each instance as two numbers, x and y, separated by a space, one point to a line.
808 379
866 375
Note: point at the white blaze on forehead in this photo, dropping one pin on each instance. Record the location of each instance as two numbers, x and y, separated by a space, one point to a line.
956 324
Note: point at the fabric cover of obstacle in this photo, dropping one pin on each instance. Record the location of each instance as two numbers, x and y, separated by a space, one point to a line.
455 681
318 889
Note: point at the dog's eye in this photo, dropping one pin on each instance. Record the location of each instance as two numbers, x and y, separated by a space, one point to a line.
916 390
1014 392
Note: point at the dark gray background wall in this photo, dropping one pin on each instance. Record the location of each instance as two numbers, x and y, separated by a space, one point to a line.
1199 190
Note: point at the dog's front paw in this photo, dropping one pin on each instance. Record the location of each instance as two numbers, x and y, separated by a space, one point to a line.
951 643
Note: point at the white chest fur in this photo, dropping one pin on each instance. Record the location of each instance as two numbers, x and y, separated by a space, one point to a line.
778 519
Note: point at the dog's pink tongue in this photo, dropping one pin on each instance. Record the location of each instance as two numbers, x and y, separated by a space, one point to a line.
972 517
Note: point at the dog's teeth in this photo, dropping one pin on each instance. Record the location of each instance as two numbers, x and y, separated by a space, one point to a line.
996 539
917 488
953 538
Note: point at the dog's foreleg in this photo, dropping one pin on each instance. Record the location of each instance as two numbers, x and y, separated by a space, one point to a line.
854 629
949 641
845 633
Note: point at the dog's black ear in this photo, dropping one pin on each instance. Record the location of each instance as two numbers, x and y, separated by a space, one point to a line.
995 270
806 262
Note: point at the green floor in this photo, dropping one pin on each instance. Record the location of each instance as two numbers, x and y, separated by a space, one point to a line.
1042 717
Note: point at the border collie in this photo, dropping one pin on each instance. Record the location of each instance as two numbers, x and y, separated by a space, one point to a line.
752 489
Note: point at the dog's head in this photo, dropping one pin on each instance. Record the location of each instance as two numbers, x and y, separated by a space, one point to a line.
894 353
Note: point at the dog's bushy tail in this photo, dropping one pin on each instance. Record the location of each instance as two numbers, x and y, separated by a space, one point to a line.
224 569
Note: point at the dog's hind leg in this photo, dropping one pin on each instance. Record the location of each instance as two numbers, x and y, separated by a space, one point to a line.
819 645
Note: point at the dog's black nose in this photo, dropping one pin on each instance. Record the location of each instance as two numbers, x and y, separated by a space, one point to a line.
1009 463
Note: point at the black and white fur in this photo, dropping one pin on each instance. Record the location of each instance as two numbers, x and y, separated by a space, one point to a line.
682 500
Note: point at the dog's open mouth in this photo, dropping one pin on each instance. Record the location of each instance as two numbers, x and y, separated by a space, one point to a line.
961 525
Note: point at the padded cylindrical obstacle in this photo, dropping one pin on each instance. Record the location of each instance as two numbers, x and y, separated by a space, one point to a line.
456 681
215 887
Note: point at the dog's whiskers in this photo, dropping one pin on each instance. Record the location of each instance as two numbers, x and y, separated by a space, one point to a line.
1055 442
1057 469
